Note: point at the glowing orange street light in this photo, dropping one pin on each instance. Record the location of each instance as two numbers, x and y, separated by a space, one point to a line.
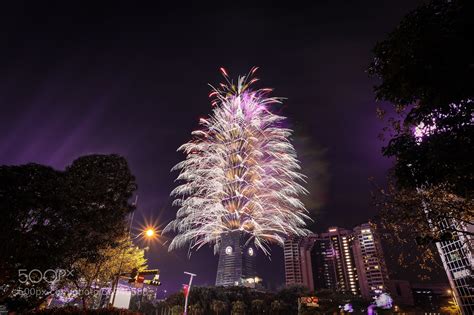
149 232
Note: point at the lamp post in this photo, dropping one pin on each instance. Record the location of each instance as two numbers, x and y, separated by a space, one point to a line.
148 233
191 276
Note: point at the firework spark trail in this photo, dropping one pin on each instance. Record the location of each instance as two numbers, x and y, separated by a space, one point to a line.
240 173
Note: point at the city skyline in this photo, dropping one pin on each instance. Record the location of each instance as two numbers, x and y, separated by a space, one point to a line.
108 90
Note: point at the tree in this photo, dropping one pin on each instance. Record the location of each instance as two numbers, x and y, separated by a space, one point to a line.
103 271
238 308
257 306
277 307
196 309
176 299
416 219
289 296
218 306
52 219
177 310
426 71
452 308
330 302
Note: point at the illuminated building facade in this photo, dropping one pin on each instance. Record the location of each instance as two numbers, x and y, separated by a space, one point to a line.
291 252
369 260
324 272
340 260
236 261
458 261
322 261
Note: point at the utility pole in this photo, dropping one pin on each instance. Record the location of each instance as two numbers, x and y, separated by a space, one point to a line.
191 276
115 283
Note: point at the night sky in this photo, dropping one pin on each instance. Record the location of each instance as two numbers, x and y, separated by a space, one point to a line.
133 80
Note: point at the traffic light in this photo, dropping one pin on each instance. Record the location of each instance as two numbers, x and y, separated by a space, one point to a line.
133 276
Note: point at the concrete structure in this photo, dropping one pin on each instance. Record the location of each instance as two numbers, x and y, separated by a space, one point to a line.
369 260
236 261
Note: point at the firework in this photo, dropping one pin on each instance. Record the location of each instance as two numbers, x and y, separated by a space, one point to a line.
240 173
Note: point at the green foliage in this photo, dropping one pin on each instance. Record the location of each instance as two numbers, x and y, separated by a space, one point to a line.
218 306
427 73
239 300
412 232
278 307
104 269
176 299
177 310
428 57
238 308
70 310
257 306
52 219
426 70
287 298
196 309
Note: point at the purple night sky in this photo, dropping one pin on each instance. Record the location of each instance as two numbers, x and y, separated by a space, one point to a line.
133 81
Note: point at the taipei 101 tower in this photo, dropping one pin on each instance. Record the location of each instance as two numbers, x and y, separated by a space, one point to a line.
236 261
239 183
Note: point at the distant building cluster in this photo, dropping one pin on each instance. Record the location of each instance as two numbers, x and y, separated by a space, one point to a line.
347 261
352 261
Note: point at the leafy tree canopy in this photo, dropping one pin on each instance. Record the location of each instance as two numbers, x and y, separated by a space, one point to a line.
426 70
51 219
102 271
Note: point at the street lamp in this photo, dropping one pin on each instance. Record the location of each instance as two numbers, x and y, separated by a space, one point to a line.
149 233
191 276
146 233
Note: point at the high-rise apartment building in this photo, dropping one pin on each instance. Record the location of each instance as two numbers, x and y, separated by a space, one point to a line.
322 266
342 260
298 261
369 260
291 252
322 261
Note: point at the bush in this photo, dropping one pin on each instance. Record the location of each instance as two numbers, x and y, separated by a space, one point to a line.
71 310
